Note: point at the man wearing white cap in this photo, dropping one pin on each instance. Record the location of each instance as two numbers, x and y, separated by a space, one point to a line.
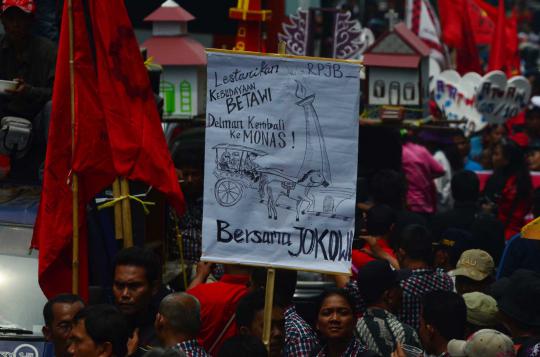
484 343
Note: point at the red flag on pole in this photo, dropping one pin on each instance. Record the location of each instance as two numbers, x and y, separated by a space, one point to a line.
458 33
90 159
117 133
510 42
468 58
498 54
139 150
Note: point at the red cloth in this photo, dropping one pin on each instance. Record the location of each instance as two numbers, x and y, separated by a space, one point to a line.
360 258
458 32
117 133
483 25
497 53
451 22
91 160
468 59
507 206
138 145
218 304
505 37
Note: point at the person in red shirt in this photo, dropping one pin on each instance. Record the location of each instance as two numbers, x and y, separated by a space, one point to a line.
219 301
380 221
510 186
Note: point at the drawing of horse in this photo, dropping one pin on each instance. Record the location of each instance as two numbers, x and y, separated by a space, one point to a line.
276 186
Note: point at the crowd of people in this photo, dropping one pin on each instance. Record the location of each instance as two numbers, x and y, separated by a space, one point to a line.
439 265
414 308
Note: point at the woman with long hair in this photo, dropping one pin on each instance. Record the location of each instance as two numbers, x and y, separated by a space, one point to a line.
510 186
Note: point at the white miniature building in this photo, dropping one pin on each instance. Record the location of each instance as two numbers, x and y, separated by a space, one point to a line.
397 72
183 82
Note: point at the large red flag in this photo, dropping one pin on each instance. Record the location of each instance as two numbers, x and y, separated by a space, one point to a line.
138 145
483 26
90 161
497 54
510 41
451 24
468 58
458 33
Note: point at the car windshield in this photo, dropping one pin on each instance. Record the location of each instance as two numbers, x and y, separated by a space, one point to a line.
22 299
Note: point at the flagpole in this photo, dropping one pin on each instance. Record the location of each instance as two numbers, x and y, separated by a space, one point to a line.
118 233
126 213
75 178
271 273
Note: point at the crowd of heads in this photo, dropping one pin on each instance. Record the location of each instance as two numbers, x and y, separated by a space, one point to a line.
480 317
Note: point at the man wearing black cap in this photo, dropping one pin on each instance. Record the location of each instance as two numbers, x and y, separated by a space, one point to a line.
379 330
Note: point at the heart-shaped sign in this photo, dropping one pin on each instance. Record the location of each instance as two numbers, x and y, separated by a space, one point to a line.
499 99
455 97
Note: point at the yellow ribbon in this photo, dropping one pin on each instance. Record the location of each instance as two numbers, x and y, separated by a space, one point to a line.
114 201
149 61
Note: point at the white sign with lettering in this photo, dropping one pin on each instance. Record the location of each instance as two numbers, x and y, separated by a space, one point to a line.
280 165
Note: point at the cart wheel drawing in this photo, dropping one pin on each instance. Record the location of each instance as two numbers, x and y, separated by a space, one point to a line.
228 192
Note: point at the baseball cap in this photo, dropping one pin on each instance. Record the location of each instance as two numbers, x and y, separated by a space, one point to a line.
475 264
481 309
484 343
376 277
28 6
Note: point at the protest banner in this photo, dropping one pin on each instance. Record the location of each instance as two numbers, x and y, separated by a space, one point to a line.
280 161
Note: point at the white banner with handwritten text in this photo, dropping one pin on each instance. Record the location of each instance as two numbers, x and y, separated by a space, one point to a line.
280 161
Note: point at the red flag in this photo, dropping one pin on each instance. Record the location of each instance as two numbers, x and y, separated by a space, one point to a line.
510 41
497 52
449 12
468 59
91 161
483 26
138 145
458 33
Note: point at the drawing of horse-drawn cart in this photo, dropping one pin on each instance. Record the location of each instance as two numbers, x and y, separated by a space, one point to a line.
235 171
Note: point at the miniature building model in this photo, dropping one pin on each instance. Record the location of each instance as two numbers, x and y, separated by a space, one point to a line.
397 73
183 83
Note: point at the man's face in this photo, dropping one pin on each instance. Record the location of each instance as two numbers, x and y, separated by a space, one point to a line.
132 291
82 344
533 160
17 24
463 146
59 330
277 334
532 122
336 319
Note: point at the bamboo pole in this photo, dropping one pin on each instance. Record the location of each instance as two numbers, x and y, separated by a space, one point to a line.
270 275
118 229
268 304
75 178
126 214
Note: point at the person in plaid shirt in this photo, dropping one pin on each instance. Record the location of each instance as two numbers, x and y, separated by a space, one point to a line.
414 253
178 322
300 339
